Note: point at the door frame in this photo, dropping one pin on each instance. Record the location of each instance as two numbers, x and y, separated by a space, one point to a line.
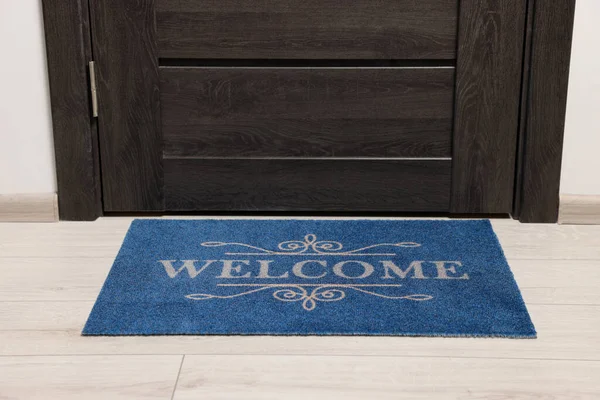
545 70
68 49
547 58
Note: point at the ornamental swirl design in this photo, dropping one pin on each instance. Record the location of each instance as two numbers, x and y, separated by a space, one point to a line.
298 293
311 246
308 297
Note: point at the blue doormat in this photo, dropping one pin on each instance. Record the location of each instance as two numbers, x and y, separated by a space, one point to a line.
310 277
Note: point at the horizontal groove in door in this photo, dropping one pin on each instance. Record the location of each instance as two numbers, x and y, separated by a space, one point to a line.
313 158
299 112
307 29
307 185
294 63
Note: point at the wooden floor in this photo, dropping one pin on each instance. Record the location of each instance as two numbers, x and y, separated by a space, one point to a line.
52 273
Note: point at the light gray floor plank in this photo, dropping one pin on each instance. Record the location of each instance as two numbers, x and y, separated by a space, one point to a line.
103 237
415 378
88 377
52 279
558 281
548 241
39 328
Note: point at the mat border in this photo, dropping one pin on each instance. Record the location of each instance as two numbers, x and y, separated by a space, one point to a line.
489 224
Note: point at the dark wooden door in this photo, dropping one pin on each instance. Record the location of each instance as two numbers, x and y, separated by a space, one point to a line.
374 105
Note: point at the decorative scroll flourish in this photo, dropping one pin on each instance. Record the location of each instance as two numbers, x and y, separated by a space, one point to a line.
308 297
310 243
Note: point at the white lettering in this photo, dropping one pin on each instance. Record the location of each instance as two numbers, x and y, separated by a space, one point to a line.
187 265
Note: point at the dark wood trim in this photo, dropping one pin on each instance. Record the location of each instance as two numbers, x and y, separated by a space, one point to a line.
486 119
523 102
538 170
68 45
126 62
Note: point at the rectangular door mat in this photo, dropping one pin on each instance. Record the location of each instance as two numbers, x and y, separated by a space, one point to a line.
310 277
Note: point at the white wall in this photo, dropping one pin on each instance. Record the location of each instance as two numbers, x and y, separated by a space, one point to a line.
581 153
26 148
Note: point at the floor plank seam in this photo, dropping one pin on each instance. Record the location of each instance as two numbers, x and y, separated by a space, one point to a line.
177 379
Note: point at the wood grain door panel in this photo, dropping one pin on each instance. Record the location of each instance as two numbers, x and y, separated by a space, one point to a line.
307 112
307 29
306 185
306 139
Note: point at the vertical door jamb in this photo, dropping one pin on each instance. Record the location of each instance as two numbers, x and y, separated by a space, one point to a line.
69 49
543 111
